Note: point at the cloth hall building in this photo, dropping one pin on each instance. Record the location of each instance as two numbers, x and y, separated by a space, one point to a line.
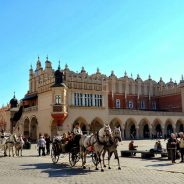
56 100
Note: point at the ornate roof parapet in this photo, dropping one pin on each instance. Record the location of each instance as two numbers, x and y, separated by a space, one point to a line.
38 64
59 77
125 74
13 102
83 70
138 79
112 73
31 73
98 71
112 76
182 79
66 67
48 63
170 84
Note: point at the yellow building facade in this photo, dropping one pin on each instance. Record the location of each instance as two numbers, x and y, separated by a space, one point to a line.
57 99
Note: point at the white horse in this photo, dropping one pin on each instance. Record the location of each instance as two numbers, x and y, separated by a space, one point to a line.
10 143
113 147
19 146
3 139
98 141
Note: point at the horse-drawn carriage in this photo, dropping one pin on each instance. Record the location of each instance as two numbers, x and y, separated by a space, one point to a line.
94 145
72 149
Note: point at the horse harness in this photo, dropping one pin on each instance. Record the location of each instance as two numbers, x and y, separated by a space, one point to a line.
98 140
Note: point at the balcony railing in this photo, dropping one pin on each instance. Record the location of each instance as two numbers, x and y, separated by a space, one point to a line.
29 109
57 108
143 113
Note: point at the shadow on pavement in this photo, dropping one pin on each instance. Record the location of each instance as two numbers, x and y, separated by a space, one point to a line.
159 165
57 170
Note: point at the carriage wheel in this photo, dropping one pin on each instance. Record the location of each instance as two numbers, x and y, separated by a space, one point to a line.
94 159
54 156
74 156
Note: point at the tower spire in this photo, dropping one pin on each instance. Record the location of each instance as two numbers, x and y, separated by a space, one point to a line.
59 66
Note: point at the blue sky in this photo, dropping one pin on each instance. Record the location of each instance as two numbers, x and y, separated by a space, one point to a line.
139 36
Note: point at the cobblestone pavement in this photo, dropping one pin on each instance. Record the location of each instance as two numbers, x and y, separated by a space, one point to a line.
31 169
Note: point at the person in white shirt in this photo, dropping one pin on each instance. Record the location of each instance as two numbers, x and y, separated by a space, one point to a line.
181 145
41 145
77 133
77 130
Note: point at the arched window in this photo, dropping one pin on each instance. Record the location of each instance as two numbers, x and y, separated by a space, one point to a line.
142 105
58 99
118 103
130 104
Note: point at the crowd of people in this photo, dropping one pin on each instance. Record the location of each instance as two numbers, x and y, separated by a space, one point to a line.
176 143
67 140
174 146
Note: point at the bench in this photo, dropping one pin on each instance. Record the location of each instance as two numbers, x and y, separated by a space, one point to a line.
144 154
163 153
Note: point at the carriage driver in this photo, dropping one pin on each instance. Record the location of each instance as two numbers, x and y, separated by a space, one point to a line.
77 132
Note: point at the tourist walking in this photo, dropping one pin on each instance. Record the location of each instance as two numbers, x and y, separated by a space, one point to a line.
48 141
172 146
181 145
41 145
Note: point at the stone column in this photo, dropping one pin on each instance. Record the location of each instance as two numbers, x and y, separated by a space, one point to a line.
163 131
137 133
174 128
151 131
122 132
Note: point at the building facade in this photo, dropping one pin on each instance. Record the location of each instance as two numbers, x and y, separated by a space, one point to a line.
56 100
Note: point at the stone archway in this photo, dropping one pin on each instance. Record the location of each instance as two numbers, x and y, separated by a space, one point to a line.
33 129
26 128
115 123
168 128
179 126
157 129
96 125
83 125
144 131
130 129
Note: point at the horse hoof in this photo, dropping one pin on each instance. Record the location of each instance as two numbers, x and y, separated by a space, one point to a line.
96 168
119 168
104 165
102 170
109 167
84 167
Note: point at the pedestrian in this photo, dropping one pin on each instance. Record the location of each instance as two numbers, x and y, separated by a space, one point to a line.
48 141
41 145
172 146
77 133
181 145
132 147
77 130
